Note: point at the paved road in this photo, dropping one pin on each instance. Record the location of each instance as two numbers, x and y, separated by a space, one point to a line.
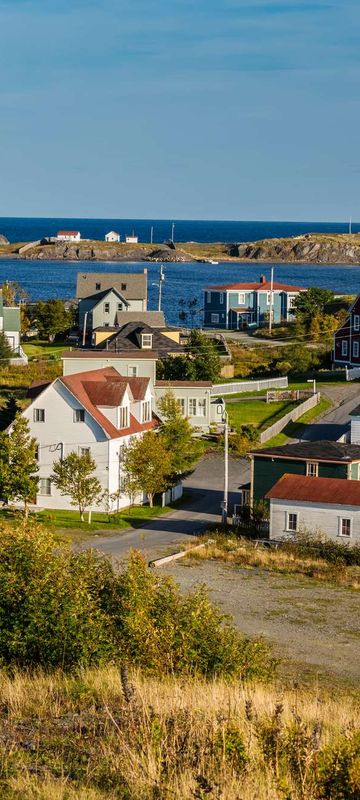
204 492
335 422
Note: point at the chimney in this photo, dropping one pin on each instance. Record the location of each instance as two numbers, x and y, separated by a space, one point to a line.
262 279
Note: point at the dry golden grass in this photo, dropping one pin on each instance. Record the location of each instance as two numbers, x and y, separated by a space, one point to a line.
244 553
92 736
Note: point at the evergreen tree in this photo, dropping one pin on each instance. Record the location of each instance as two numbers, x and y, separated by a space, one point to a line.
5 349
177 436
74 476
18 463
147 465
311 302
52 318
205 356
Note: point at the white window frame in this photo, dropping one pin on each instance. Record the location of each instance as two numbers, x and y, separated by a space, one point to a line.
344 347
291 301
215 318
97 287
289 514
84 451
356 349
79 415
201 407
241 299
268 298
192 402
181 401
132 371
47 483
221 298
119 306
340 532
146 411
39 415
106 308
208 297
356 322
123 417
149 338
312 469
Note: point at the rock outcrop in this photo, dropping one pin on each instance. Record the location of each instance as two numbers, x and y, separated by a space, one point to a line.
317 248
3 239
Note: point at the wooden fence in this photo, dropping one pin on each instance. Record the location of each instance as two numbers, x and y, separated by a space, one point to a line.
292 416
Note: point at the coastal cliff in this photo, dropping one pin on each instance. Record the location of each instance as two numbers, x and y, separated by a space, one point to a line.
316 248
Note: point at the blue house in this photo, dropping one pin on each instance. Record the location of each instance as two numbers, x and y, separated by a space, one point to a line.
236 306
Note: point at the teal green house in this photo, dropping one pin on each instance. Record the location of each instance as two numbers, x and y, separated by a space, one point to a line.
236 306
10 324
321 459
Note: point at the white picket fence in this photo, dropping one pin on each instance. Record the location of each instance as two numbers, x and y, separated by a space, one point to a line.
352 374
292 416
248 386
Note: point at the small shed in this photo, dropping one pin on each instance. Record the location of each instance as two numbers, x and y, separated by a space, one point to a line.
112 236
132 239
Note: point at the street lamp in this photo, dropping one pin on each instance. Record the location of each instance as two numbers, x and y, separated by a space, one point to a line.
225 419
313 381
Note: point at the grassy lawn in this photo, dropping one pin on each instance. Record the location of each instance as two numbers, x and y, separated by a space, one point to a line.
257 413
67 526
294 429
38 347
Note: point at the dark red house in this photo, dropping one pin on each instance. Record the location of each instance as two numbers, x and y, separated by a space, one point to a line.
347 338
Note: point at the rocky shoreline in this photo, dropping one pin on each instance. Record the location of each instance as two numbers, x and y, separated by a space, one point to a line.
309 248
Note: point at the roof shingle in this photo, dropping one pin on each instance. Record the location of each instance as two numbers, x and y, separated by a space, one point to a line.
332 491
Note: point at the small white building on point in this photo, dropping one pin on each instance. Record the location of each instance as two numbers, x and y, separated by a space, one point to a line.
112 236
97 411
68 236
132 239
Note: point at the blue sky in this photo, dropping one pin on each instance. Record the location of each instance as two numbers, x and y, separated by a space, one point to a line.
214 109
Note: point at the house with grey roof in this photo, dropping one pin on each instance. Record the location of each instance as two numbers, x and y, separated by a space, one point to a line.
100 310
133 286
135 336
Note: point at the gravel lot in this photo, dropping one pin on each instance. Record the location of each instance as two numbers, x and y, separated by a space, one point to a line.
314 624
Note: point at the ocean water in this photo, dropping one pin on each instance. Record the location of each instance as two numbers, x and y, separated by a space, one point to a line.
44 279
29 229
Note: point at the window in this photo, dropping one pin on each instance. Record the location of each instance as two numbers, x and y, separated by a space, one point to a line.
37 452
146 340
202 408
119 306
356 349
39 414
214 317
312 468
146 411
208 297
84 451
132 372
124 417
44 486
221 297
268 298
97 286
344 347
292 299
79 415
107 308
291 522
181 404
344 527
356 322
241 299
106 325
123 287
192 407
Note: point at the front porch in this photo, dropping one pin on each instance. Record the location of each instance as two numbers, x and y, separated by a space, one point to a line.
241 318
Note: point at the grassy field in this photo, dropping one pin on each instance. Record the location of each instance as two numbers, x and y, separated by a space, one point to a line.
38 347
294 429
67 524
257 413
98 735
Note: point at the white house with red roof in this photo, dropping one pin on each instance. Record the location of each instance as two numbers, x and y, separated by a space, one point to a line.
68 236
236 306
327 506
97 411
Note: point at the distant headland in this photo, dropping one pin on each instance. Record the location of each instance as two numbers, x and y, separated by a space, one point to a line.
316 248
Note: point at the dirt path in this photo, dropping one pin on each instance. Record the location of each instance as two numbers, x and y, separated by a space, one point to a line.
317 625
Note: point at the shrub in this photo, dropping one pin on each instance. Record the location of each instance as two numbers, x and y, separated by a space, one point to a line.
60 608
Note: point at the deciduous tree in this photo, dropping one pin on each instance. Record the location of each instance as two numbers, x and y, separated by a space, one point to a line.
147 464
52 318
74 476
312 302
177 436
18 463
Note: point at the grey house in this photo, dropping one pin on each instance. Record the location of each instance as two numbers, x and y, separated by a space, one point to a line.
100 310
236 306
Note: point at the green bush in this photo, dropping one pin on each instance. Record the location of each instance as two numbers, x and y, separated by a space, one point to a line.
60 608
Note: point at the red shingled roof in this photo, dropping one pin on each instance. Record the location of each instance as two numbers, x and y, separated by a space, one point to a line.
200 384
67 233
252 286
334 491
105 354
105 387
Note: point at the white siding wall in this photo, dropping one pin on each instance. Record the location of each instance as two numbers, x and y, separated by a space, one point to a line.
355 430
314 517
187 393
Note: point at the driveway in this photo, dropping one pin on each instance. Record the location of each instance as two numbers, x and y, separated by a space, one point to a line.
201 508
335 422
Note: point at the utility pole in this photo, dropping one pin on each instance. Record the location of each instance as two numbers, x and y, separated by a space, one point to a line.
271 299
350 231
161 279
151 234
226 468
172 231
